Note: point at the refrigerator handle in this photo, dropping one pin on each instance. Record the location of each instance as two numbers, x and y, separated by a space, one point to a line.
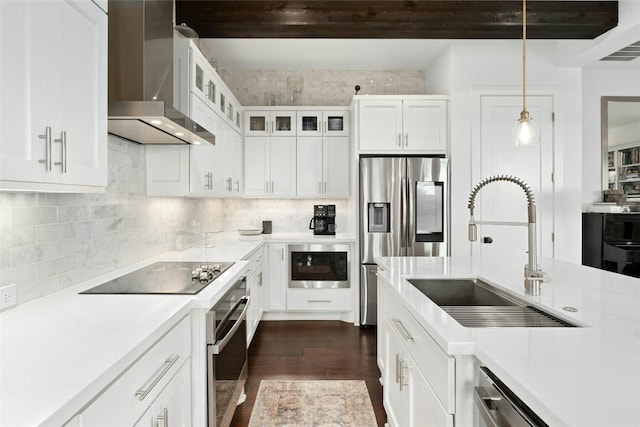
405 209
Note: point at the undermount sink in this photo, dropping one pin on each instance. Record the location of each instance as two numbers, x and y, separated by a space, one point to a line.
477 304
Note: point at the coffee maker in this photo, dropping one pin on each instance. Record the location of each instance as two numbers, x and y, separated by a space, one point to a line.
324 220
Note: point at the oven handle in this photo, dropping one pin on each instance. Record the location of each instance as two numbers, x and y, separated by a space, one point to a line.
220 344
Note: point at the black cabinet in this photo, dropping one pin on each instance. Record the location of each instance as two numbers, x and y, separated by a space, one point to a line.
611 242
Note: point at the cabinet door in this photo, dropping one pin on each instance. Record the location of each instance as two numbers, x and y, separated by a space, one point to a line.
23 86
283 123
283 167
309 166
257 123
167 170
81 64
380 125
54 57
335 166
395 398
335 123
256 166
425 126
277 277
309 123
238 174
202 173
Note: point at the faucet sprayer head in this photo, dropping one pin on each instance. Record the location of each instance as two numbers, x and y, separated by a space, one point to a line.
473 231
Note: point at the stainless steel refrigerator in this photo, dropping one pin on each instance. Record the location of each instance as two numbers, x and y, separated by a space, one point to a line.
404 211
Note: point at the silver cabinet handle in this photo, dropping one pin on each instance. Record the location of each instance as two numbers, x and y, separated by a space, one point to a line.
403 331
63 151
238 185
403 366
406 139
271 187
273 126
319 300
143 392
397 368
164 417
47 148
325 127
230 189
324 191
260 279
206 180
399 140
282 254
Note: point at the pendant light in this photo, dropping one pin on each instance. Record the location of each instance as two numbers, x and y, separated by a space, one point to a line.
525 131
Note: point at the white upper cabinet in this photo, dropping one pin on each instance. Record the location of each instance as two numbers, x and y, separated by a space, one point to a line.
415 125
266 123
323 167
270 166
323 123
53 111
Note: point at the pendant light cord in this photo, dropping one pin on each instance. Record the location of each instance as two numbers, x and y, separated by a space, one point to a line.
524 55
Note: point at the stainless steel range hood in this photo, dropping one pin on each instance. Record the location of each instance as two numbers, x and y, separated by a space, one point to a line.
141 92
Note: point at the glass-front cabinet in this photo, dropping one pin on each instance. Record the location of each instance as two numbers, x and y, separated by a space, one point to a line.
327 123
275 123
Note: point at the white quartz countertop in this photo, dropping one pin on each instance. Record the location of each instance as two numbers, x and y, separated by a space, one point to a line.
588 376
59 351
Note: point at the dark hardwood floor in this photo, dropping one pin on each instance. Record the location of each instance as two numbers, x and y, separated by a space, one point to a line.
314 350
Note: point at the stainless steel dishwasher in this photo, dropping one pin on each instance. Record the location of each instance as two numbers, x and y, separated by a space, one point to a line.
499 407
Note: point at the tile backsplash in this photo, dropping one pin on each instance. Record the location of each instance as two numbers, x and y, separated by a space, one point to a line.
51 241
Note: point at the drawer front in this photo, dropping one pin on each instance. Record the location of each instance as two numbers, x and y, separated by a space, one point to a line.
319 299
255 261
436 366
126 400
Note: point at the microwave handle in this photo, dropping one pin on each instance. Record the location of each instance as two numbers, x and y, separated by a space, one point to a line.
222 343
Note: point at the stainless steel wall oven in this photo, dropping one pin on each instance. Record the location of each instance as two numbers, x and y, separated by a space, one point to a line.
226 354
319 266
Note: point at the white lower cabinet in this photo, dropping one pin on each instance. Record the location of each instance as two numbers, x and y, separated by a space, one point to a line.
418 376
408 398
173 406
159 379
255 290
276 293
299 299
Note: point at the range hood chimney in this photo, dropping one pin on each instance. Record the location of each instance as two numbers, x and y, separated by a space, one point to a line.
141 91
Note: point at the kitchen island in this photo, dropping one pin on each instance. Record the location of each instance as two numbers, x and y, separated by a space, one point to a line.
582 376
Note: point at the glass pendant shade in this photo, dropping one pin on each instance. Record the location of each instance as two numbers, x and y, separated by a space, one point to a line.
525 132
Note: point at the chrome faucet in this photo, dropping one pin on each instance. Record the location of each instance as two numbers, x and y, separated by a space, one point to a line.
533 276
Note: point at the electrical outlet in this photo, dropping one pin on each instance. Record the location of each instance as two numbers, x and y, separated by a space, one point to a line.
8 296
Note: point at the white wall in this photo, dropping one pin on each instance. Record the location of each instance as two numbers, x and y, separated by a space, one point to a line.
482 66
595 84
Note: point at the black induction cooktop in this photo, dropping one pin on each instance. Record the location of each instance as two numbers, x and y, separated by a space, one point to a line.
165 278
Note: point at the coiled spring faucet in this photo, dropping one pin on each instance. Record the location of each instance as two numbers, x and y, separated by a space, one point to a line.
533 276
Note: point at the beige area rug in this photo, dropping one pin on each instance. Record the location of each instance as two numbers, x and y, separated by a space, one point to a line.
322 403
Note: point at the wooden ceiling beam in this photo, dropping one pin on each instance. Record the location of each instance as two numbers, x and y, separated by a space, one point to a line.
397 19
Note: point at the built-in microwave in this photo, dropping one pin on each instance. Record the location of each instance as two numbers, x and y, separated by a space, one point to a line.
317 266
